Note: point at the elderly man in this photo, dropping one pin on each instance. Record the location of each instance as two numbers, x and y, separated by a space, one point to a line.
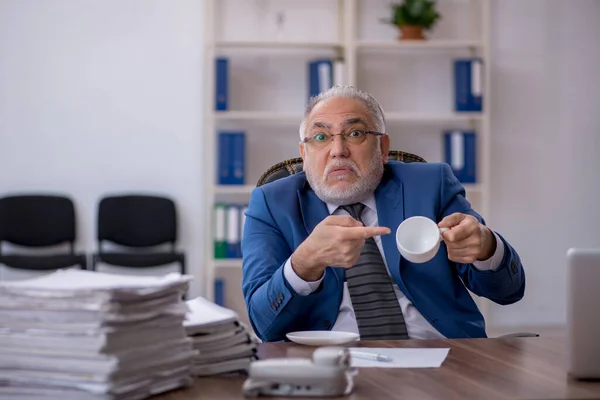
317 249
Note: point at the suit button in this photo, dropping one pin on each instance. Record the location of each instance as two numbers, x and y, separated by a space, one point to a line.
327 324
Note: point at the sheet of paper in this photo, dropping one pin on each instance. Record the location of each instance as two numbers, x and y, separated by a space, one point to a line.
401 358
74 279
204 313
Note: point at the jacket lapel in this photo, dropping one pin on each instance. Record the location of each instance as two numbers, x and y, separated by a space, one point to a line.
313 210
390 213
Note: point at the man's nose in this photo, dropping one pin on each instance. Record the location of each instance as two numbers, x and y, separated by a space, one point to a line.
339 148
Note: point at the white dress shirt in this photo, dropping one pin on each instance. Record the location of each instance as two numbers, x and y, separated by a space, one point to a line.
416 325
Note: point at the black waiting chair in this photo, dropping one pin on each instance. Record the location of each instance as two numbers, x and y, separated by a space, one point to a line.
141 224
294 165
40 222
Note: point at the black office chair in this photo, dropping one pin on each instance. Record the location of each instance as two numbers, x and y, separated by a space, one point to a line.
140 223
39 221
294 165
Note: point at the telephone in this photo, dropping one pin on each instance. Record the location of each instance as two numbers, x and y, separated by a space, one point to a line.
327 374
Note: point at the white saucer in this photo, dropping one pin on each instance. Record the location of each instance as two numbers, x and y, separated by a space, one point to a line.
322 338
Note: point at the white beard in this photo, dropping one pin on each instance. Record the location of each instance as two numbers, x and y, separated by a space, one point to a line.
358 191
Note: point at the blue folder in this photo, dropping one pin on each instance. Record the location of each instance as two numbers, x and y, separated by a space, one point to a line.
460 154
468 85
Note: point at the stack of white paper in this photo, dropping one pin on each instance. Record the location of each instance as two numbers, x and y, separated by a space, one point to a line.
81 335
223 343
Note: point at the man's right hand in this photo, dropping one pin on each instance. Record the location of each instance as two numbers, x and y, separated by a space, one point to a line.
335 241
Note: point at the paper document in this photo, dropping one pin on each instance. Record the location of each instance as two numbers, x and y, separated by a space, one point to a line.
400 358
222 342
205 313
88 335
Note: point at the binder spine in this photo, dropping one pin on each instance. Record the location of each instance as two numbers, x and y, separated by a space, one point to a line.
243 210
224 168
320 76
238 157
219 292
468 85
233 231
460 154
220 244
222 84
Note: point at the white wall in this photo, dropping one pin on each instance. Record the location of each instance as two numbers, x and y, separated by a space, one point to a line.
102 97
546 137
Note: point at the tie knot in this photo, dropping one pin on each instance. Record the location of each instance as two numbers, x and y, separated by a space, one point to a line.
355 210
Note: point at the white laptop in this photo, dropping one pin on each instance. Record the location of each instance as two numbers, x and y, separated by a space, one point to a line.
583 313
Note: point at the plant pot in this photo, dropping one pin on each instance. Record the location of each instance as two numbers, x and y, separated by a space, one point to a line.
411 32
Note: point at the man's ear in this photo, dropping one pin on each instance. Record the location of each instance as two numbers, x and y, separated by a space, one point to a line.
301 148
385 147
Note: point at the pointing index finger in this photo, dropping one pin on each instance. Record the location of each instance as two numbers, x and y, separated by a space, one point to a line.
366 232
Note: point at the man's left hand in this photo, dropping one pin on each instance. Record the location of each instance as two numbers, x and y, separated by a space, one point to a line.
467 239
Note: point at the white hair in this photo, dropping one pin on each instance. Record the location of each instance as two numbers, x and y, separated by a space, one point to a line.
350 92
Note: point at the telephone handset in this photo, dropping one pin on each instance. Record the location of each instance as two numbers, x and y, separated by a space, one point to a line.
327 374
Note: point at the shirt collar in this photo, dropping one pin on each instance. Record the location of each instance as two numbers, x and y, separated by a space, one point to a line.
369 202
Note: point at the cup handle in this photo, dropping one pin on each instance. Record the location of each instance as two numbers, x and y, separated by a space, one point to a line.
442 230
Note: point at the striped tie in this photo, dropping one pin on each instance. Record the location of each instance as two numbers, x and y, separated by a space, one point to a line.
376 307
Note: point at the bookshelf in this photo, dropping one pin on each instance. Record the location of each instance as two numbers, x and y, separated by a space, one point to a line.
257 45
268 86
370 45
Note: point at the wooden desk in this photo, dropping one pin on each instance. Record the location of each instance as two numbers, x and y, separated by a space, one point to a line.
515 368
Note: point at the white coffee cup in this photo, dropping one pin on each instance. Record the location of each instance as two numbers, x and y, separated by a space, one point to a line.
418 239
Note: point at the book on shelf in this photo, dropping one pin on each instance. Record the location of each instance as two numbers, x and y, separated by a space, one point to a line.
242 223
324 74
228 229
231 162
220 244
468 85
460 153
221 84
219 292
233 231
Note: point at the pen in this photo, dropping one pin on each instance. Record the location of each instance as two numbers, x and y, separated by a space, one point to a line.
370 356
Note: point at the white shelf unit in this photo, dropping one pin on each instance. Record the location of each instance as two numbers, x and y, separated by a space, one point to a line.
354 50
261 116
268 116
257 45
417 45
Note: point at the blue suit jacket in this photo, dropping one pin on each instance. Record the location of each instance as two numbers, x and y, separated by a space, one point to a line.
282 214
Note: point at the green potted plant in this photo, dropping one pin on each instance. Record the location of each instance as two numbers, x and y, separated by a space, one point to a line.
413 17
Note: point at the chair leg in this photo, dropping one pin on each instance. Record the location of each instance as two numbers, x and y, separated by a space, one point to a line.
182 267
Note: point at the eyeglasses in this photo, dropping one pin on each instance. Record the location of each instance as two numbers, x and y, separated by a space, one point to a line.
355 136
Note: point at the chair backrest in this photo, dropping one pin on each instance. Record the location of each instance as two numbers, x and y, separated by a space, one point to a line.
294 165
137 220
37 220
